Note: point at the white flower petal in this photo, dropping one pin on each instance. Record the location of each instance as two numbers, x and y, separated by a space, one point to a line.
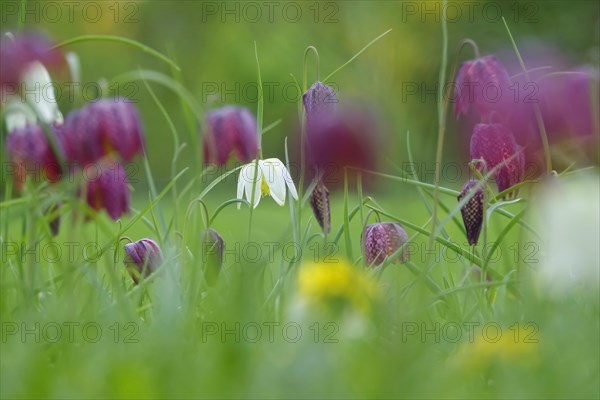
240 186
273 175
290 184
248 175
17 114
40 93
286 176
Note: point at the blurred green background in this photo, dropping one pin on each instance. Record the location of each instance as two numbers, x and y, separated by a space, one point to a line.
213 43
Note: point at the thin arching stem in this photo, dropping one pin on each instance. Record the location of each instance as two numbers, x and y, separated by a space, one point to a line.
316 53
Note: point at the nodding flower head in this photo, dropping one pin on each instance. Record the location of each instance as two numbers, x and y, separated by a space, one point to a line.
472 211
496 145
31 154
142 258
350 138
268 177
104 127
108 189
484 83
19 52
213 248
230 129
383 239
319 100
319 201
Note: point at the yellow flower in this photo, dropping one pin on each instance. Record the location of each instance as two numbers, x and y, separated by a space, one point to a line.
339 284
514 347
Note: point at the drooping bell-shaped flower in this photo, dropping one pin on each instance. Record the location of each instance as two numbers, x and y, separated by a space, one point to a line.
496 144
18 53
319 201
270 179
348 139
230 129
319 101
30 154
36 103
142 258
472 211
107 188
484 84
101 128
39 93
381 240
213 248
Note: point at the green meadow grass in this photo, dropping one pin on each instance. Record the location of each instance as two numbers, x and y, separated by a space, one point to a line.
174 337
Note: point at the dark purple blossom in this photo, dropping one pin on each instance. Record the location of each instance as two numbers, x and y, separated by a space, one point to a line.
349 138
18 52
31 154
565 101
496 145
484 84
102 128
230 129
383 239
142 258
107 188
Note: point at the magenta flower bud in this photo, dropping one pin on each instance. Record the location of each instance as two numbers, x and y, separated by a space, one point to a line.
319 200
101 128
319 101
383 239
496 144
484 83
18 52
142 258
472 211
230 129
213 248
108 188
30 154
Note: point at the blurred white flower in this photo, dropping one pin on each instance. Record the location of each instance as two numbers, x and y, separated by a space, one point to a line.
17 114
271 179
569 222
39 93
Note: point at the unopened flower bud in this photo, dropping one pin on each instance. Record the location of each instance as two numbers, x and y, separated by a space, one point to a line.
472 211
142 258
383 239
319 101
213 248
319 200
